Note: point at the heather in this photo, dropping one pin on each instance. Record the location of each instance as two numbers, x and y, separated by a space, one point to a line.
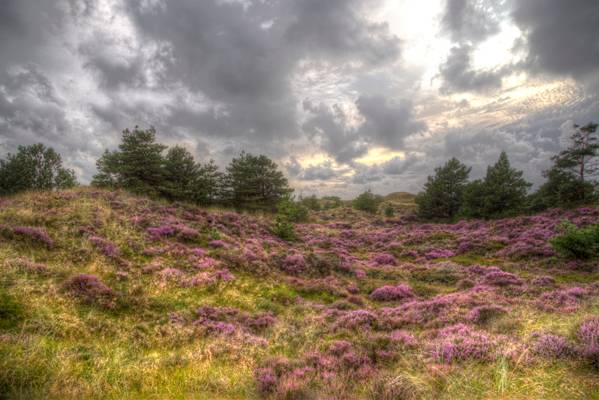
107 295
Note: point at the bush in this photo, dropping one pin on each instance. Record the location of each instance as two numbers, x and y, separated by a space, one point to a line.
579 243
294 212
367 201
283 228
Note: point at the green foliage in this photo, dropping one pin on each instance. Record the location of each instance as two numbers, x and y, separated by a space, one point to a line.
288 213
255 183
136 166
367 201
331 202
579 243
283 228
389 211
34 167
293 211
501 193
442 195
562 189
180 172
311 202
207 185
570 180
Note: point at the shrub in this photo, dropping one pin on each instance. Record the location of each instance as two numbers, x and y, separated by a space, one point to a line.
36 234
283 228
390 293
552 346
88 287
294 212
460 342
579 243
367 201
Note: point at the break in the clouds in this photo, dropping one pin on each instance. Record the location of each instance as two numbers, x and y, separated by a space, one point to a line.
343 94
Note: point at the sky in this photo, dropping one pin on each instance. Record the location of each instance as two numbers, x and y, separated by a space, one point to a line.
345 95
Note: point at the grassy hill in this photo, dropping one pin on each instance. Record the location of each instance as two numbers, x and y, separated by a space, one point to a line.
107 295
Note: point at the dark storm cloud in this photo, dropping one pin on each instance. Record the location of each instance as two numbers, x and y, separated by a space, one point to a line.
471 20
242 56
562 37
459 76
384 123
334 28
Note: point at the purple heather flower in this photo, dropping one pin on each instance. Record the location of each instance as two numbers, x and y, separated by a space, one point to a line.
391 293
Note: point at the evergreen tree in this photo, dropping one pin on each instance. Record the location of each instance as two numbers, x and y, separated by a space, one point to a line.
207 187
571 180
34 167
442 195
180 174
136 166
255 182
501 193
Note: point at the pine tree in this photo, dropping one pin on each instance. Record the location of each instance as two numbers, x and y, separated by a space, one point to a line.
442 195
207 187
571 180
136 166
501 193
180 173
34 167
255 182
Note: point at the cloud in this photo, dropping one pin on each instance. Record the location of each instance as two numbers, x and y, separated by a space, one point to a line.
562 37
471 20
387 123
459 76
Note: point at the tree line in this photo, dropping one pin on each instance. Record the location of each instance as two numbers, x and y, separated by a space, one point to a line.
571 181
143 166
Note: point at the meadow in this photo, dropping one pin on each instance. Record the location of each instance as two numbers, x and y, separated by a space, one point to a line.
105 295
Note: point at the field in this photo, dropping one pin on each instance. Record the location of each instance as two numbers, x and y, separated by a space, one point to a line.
104 295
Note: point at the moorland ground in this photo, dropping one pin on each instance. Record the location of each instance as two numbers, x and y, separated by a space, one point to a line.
108 295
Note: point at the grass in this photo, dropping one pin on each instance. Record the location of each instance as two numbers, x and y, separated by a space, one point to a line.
54 346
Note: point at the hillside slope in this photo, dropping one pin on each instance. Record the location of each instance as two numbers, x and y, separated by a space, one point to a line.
107 295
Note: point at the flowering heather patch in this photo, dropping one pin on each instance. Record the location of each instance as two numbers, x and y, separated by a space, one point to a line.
392 293
294 264
160 232
170 274
551 346
501 278
562 300
384 259
217 244
543 281
460 342
33 233
356 319
431 255
88 287
588 332
227 320
403 338
108 248
31 267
